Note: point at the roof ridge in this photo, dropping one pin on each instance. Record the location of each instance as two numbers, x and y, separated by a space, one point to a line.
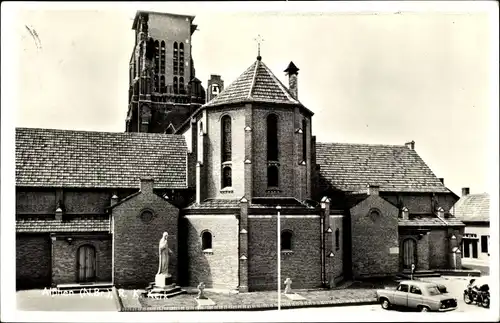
253 79
357 144
98 132
280 85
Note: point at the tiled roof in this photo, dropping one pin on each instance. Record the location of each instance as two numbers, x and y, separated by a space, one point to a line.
215 204
428 221
473 207
67 158
256 84
351 167
76 225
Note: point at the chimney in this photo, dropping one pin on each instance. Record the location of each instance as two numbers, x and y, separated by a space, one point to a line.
410 145
441 180
406 213
292 72
373 190
147 185
114 199
465 191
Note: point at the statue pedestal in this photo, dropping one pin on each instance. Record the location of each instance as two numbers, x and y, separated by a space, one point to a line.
163 287
162 280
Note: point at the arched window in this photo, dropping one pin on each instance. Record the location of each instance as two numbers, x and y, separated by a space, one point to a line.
337 239
226 138
181 85
157 57
286 240
226 177
162 84
176 86
272 137
272 176
176 59
206 240
162 58
181 58
304 140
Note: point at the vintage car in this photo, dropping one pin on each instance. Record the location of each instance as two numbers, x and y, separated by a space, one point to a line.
420 295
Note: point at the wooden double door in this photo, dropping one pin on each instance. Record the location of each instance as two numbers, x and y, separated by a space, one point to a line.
86 264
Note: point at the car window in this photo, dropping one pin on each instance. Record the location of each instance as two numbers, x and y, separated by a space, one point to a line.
415 290
433 290
403 288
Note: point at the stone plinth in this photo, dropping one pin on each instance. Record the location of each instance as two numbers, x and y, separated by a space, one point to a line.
163 287
162 280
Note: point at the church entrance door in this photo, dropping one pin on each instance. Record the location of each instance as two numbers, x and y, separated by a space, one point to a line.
409 253
86 264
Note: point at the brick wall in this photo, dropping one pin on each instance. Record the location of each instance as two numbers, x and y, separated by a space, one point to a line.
36 201
218 269
303 266
338 253
136 242
86 201
372 238
65 258
33 260
423 250
213 166
292 176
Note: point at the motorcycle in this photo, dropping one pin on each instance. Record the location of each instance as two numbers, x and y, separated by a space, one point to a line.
481 295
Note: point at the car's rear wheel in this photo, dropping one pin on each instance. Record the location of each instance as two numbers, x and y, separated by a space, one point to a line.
467 299
385 303
424 309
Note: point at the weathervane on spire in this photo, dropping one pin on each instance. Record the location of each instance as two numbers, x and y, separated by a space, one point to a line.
259 40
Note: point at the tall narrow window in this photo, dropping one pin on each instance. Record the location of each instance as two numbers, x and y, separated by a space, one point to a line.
181 58
304 140
272 176
162 58
157 57
206 241
181 85
176 59
176 86
162 84
226 138
337 239
286 240
272 137
484 244
226 177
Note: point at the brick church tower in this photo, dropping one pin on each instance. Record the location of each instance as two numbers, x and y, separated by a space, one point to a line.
164 90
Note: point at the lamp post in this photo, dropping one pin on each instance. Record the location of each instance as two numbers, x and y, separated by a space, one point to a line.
279 257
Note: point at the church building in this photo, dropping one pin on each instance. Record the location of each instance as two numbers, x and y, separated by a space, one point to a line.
217 170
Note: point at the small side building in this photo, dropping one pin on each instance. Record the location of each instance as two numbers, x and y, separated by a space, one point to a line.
474 211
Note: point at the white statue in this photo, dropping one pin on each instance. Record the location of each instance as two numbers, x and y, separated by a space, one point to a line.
164 252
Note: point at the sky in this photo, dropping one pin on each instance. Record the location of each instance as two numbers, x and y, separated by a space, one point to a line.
385 76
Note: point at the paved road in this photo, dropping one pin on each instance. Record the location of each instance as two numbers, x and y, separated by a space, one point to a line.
38 300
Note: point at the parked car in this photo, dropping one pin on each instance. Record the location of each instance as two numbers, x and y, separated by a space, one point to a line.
420 295
477 291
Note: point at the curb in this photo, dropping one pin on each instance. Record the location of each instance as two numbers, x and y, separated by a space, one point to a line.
117 299
255 307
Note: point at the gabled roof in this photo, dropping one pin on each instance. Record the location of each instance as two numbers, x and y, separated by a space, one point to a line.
473 207
351 167
67 158
256 84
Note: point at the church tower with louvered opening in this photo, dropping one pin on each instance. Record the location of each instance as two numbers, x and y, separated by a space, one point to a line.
164 90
